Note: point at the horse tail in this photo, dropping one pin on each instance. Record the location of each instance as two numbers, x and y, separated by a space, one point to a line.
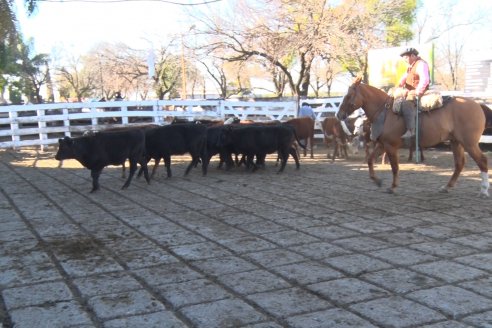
488 115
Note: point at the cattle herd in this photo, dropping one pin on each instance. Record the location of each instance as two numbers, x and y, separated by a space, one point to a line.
242 142
201 140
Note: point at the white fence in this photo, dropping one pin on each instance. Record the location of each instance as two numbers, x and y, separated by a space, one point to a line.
39 125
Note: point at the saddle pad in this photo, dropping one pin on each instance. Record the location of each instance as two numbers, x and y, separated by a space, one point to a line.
430 100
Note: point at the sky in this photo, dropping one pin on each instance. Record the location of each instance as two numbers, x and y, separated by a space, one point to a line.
77 26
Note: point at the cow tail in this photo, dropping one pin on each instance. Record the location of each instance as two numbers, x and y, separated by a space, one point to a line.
297 139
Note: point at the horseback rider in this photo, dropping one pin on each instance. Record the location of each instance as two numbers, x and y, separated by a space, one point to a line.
415 82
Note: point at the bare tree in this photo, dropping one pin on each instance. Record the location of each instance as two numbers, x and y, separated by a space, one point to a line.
277 32
216 71
77 80
450 30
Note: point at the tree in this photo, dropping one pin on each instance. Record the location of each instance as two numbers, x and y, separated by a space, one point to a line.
453 22
280 32
116 68
369 24
215 68
168 75
33 70
9 31
76 80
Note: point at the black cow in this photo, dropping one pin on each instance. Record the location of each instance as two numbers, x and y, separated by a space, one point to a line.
177 139
122 128
213 146
256 140
97 151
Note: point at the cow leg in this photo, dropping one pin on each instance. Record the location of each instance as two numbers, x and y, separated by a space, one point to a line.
123 175
344 150
194 163
167 163
156 164
133 169
306 141
311 143
293 153
250 162
335 150
145 169
205 161
95 179
284 156
260 160
228 161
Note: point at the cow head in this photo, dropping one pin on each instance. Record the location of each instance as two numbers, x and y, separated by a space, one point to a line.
65 149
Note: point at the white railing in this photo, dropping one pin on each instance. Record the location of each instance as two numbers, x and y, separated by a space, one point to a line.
39 125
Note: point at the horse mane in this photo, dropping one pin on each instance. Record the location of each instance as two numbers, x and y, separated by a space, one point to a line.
378 91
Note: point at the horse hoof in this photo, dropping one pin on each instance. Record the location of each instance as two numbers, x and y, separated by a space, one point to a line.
390 191
484 195
378 182
444 190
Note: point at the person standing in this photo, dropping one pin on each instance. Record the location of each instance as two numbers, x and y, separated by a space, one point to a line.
415 83
306 111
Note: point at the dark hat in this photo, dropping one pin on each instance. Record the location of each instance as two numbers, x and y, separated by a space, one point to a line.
409 51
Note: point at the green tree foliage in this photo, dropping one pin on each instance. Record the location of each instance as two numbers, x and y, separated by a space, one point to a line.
16 68
371 24
33 70
168 75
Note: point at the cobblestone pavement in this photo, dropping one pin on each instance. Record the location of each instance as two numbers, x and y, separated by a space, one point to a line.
318 247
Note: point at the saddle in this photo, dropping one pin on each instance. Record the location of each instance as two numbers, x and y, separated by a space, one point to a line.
431 100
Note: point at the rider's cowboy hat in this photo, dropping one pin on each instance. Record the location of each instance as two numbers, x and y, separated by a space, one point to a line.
409 51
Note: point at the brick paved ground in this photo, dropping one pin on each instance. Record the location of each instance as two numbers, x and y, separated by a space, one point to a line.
319 247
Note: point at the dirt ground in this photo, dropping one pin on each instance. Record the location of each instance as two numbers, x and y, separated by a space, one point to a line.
322 246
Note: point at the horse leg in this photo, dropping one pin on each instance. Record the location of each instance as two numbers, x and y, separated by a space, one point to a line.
459 163
481 161
392 154
370 164
410 153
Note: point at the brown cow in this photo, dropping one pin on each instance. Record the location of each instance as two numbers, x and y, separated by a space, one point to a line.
334 132
304 127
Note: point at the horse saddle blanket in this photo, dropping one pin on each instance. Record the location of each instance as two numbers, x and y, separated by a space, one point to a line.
430 100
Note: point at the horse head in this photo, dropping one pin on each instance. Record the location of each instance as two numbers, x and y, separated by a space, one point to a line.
351 101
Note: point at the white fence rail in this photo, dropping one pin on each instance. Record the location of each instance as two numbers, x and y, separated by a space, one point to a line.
39 125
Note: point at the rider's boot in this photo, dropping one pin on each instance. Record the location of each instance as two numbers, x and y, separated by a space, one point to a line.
409 115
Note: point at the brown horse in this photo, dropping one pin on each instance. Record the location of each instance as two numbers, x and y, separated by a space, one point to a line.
461 121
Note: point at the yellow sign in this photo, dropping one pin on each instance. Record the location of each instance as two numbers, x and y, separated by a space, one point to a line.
386 67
